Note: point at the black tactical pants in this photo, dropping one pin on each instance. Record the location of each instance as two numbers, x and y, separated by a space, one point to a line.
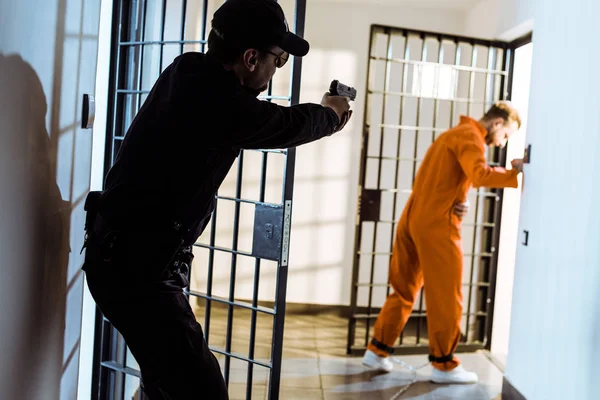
155 318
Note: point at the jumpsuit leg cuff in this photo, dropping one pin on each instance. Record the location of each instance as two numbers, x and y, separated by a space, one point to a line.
380 348
446 366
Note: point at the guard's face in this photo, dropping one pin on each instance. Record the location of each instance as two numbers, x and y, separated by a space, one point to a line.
260 67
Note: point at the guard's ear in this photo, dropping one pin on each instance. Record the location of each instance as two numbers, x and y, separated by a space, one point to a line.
250 59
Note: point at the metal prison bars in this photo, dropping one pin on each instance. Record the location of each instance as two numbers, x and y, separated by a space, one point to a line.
146 36
418 85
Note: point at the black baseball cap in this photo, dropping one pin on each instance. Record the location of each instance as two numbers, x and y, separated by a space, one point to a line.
257 23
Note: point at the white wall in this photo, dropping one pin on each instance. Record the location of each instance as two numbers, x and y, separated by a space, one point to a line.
510 209
326 184
88 318
556 306
500 19
47 61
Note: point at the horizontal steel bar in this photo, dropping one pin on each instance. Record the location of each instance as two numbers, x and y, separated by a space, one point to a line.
491 164
267 97
439 98
281 151
415 349
255 202
161 42
478 255
374 253
440 37
127 91
241 304
408 191
222 249
238 357
409 127
387 253
434 64
414 315
478 284
119 368
483 225
395 158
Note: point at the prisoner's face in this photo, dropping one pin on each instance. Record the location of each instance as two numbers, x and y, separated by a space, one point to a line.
500 131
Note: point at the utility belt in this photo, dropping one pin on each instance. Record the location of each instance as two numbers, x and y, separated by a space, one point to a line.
149 252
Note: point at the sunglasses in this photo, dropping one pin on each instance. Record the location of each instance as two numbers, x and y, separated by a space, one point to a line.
281 59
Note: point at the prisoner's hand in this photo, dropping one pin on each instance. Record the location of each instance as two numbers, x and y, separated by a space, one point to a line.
339 104
517 164
461 209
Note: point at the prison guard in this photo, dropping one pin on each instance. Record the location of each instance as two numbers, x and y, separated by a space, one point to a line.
187 135
427 248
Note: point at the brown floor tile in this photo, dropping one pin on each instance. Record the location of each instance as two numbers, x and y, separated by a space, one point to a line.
316 366
308 382
300 394
353 396
237 391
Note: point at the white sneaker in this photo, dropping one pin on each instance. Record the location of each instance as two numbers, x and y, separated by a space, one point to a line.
376 362
457 375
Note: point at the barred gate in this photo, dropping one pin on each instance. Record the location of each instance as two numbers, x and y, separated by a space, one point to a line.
419 83
250 229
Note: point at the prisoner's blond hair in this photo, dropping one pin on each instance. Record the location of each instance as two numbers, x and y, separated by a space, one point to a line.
504 110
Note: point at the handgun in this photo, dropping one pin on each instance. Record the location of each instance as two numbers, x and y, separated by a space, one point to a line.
339 89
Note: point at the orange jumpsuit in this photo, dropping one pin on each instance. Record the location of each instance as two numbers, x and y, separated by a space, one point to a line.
428 246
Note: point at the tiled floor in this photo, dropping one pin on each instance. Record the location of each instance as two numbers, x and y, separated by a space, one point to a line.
315 365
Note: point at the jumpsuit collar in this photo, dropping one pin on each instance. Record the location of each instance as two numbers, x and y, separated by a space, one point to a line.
480 128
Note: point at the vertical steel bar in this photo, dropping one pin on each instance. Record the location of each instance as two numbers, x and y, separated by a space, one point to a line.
472 76
124 375
404 84
183 21
490 65
141 68
287 196
505 93
262 189
436 88
398 147
162 35
379 168
457 56
234 247
103 345
261 198
204 23
358 221
209 279
131 65
477 199
115 123
414 171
